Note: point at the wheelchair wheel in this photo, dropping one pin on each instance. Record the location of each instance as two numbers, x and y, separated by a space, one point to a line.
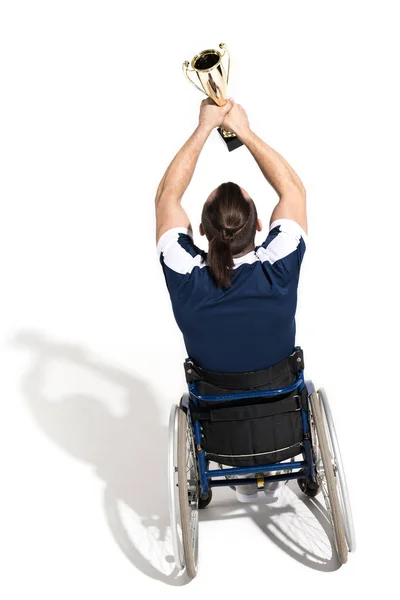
173 494
344 498
188 486
326 474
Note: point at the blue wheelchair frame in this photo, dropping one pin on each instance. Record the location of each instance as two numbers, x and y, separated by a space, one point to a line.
306 466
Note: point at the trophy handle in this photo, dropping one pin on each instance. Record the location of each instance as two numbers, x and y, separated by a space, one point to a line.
185 68
225 48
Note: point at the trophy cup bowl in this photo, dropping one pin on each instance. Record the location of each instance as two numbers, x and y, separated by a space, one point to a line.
210 72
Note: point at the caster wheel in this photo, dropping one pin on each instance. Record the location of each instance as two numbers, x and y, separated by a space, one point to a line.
309 487
206 501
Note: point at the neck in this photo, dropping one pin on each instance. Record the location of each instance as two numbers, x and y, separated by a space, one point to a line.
246 251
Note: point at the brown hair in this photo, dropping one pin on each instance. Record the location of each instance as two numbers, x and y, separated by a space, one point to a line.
229 222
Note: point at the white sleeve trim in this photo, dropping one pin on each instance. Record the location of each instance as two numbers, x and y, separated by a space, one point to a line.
171 235
290 226
286 242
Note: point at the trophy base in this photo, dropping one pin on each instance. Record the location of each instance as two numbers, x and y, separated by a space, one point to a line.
232 142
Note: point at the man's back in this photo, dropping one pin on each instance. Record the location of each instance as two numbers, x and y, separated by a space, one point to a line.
236 304
248 326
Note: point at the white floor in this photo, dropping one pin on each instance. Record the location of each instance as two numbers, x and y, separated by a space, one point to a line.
94 108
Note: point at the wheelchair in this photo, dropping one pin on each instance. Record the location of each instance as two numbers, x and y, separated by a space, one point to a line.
252 424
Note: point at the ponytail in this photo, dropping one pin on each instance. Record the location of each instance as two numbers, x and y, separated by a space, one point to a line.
229 222
220 259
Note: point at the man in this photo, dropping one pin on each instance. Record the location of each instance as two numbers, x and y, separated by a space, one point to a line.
235 304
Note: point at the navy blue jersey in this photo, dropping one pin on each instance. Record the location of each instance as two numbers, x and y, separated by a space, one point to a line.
246 327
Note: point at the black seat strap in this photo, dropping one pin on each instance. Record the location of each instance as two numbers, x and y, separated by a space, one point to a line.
247 380
246 410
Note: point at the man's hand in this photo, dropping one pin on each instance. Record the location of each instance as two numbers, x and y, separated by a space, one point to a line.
211 115
236 120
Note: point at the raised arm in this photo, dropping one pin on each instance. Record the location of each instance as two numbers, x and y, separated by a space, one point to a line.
169 212
276 170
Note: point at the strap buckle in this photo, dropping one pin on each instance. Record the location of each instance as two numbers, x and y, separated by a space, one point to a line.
191 372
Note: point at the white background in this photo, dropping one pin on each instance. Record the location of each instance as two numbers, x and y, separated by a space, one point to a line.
93 108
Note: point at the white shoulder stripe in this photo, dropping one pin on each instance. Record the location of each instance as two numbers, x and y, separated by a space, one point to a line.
171 235
284 243
290 226
176 257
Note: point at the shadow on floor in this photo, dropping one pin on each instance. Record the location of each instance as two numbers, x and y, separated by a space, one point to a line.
129 453
298 525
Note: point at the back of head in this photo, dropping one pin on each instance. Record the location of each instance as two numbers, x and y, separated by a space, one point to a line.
229 222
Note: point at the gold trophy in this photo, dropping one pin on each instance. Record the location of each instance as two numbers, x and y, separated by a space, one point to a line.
214 83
